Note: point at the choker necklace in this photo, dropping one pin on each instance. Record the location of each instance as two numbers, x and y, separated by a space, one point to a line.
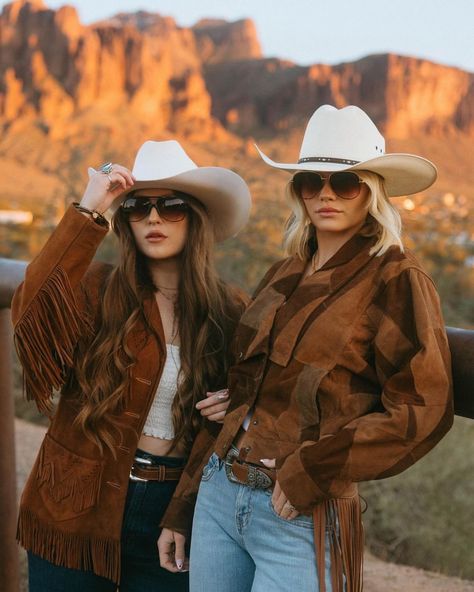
172 297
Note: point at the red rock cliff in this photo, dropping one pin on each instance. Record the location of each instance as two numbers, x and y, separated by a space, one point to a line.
147 68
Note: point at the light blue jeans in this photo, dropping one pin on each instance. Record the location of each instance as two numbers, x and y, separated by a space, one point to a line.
239 543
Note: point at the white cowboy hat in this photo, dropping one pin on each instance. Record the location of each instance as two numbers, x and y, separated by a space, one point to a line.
347 140
166 165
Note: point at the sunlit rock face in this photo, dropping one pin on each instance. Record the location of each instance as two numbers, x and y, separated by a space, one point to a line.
72 95
53 67
403 95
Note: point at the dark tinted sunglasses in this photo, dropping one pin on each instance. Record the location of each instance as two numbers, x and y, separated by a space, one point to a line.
344 184
171 208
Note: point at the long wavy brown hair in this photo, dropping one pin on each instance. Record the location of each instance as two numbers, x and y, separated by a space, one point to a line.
206 314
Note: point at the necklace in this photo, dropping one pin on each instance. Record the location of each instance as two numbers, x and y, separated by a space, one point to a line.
171 298
174 328
165 288
174 334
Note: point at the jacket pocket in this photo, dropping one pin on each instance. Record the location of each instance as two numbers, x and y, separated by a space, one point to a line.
68 484
301 521
305 394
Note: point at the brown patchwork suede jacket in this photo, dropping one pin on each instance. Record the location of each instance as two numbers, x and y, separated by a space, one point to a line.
348 375
72 506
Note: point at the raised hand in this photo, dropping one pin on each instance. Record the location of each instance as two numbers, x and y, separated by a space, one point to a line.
104 187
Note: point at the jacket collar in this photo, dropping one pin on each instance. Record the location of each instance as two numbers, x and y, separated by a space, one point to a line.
303 301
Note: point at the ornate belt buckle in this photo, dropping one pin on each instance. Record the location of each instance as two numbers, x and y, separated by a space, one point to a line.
229 459
257 479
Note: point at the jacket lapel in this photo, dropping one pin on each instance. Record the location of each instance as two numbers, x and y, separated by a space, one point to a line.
257 321
309 299
141 341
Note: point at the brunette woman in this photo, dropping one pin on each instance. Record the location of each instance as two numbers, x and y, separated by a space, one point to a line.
132 348
343 375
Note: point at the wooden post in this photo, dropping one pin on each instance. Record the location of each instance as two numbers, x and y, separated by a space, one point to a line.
9 565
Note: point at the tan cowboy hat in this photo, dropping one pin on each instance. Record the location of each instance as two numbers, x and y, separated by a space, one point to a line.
347 140
166 165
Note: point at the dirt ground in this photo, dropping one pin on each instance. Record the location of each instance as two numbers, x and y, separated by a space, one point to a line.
379 576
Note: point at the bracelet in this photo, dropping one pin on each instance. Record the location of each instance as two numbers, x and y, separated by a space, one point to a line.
95 215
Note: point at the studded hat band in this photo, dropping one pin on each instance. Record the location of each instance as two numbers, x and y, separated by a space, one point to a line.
327 159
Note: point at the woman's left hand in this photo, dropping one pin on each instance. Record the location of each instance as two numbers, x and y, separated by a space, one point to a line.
281 504
214 406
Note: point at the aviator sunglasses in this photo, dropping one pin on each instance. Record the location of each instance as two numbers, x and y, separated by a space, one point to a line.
345 184
171 208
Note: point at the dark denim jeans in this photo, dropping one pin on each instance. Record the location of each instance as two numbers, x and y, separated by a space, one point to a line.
144 508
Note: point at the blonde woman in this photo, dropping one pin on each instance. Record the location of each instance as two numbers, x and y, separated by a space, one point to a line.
343 375
132 348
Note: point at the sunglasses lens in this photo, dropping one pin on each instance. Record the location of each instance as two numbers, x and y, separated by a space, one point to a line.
136 208
307 183
172 209
345 184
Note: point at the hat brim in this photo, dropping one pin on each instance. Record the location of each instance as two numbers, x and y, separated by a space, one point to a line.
403 174
223 192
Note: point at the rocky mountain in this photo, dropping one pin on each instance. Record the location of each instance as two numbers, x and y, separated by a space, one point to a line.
404 95
53 68
72 95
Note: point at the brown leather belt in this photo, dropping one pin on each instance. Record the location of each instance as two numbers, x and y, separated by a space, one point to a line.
239 471
142 472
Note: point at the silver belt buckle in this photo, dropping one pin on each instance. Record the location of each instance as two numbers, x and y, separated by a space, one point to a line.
140 461
258 479
229 459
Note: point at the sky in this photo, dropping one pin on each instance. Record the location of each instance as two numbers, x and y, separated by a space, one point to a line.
325 31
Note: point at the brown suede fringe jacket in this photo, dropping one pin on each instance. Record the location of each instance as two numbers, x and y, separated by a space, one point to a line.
72 506
348 375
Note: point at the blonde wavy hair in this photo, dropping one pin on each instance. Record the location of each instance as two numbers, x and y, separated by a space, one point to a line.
383 220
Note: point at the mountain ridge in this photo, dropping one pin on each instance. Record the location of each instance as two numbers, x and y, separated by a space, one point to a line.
73 95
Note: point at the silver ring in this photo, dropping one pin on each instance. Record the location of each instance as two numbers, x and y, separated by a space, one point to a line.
291 507
106 168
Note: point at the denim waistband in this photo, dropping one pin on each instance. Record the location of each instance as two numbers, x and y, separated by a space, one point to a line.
167 461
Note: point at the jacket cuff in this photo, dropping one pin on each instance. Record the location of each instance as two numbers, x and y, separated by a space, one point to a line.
91 231
297 485
178 517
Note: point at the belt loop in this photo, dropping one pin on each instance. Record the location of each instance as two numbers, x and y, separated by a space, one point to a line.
162 472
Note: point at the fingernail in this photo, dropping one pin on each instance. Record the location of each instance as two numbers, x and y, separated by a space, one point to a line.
264 460
222 396
179 563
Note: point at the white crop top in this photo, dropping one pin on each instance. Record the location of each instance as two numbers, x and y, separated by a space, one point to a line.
159 422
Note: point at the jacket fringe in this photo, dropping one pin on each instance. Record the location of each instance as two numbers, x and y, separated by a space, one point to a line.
341 519
101 556
46 337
